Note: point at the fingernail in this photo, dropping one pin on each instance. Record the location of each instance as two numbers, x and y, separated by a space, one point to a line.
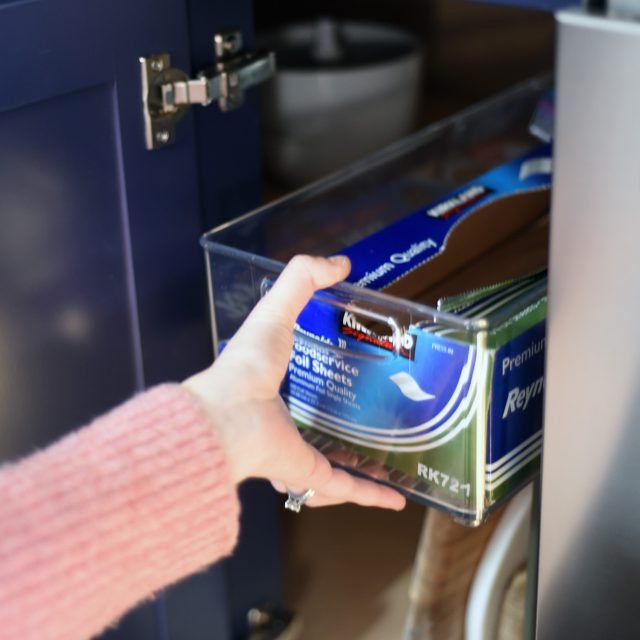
340 261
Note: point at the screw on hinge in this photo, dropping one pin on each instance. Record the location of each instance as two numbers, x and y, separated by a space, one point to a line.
157 64
162 136
227 44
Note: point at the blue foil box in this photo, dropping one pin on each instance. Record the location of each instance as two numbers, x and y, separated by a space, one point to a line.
445 405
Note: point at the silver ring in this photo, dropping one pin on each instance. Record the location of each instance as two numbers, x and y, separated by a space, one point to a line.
295 501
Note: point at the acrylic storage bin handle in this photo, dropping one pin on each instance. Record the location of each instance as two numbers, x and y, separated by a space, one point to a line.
331 297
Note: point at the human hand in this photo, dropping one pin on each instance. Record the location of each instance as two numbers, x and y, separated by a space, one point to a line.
240 393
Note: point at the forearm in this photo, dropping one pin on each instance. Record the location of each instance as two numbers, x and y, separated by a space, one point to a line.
110 514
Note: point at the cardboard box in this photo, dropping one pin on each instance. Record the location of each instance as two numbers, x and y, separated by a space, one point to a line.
446 407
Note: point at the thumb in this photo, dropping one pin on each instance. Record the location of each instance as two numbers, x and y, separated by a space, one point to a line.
295 286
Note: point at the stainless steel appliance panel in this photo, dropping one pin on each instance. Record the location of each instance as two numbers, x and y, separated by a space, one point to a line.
589 568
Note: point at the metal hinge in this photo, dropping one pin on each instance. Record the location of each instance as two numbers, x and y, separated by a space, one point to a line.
167 93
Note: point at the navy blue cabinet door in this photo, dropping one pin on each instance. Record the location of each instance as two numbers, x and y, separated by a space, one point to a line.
102 288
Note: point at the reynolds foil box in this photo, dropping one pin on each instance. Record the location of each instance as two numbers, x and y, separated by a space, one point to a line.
441 398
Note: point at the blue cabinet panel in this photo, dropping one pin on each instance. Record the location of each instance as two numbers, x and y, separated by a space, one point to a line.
52 48
102 281
65 323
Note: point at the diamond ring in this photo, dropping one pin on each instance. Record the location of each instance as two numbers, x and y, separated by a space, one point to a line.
296 500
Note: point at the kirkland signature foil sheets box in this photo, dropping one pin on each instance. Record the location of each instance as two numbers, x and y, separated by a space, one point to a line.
441 398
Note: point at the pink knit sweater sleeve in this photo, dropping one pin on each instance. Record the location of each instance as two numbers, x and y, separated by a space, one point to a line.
111 513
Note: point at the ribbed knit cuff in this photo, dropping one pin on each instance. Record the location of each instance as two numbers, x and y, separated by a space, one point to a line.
110 514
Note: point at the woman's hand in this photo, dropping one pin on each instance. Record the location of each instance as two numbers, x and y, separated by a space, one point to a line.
240 393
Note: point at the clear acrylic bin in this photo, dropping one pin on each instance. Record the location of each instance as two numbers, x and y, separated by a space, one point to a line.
244 256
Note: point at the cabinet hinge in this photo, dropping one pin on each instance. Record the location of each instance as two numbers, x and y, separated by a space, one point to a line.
167 93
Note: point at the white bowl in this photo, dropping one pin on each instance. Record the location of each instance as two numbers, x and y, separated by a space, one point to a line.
506 552
342 90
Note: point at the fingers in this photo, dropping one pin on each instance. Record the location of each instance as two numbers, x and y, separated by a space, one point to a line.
346 487
295 286
305 467
343 487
